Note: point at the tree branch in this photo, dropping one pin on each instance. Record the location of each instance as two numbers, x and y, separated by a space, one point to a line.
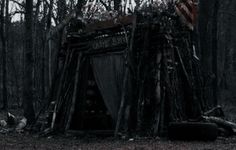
59 27
17 12
105 5
18 3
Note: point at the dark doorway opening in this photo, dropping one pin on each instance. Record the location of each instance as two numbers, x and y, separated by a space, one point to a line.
90 112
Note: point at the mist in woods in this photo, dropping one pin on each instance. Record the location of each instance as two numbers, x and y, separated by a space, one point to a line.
34 48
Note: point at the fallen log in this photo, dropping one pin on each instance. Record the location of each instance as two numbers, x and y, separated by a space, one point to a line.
216 111
221 122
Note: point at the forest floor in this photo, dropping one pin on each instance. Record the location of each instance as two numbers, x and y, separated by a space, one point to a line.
30 141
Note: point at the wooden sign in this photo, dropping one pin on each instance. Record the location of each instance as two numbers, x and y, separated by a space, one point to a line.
106 42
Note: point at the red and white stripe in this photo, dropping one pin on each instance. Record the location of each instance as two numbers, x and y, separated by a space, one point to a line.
187 10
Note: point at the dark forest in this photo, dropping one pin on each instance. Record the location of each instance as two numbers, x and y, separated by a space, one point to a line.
117 74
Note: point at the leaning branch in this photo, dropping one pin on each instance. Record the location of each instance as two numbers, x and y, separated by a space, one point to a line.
64 22
105 5
60 26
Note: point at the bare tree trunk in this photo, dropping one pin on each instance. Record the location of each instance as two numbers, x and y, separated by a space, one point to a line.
215 50
137 2
205 27
79 6
49 44
36 51
117 4
43 59
4 30
28 69
7 24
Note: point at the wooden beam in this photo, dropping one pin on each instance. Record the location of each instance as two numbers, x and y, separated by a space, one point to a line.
116 22
123 95
57 99
74 97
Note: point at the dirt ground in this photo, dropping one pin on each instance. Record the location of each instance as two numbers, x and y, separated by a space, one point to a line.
26 141
15 141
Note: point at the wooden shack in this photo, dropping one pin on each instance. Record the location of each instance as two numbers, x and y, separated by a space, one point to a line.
131 75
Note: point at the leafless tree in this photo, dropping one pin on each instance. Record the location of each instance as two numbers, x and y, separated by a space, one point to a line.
4 38
28 65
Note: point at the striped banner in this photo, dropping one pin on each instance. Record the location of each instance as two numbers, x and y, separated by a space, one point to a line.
187 10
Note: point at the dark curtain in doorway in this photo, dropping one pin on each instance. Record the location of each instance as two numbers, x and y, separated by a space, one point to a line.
109 74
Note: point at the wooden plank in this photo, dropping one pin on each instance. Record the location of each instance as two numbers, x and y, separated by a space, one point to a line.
125 80
116 22
104 51
94 132
57 99
74 97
